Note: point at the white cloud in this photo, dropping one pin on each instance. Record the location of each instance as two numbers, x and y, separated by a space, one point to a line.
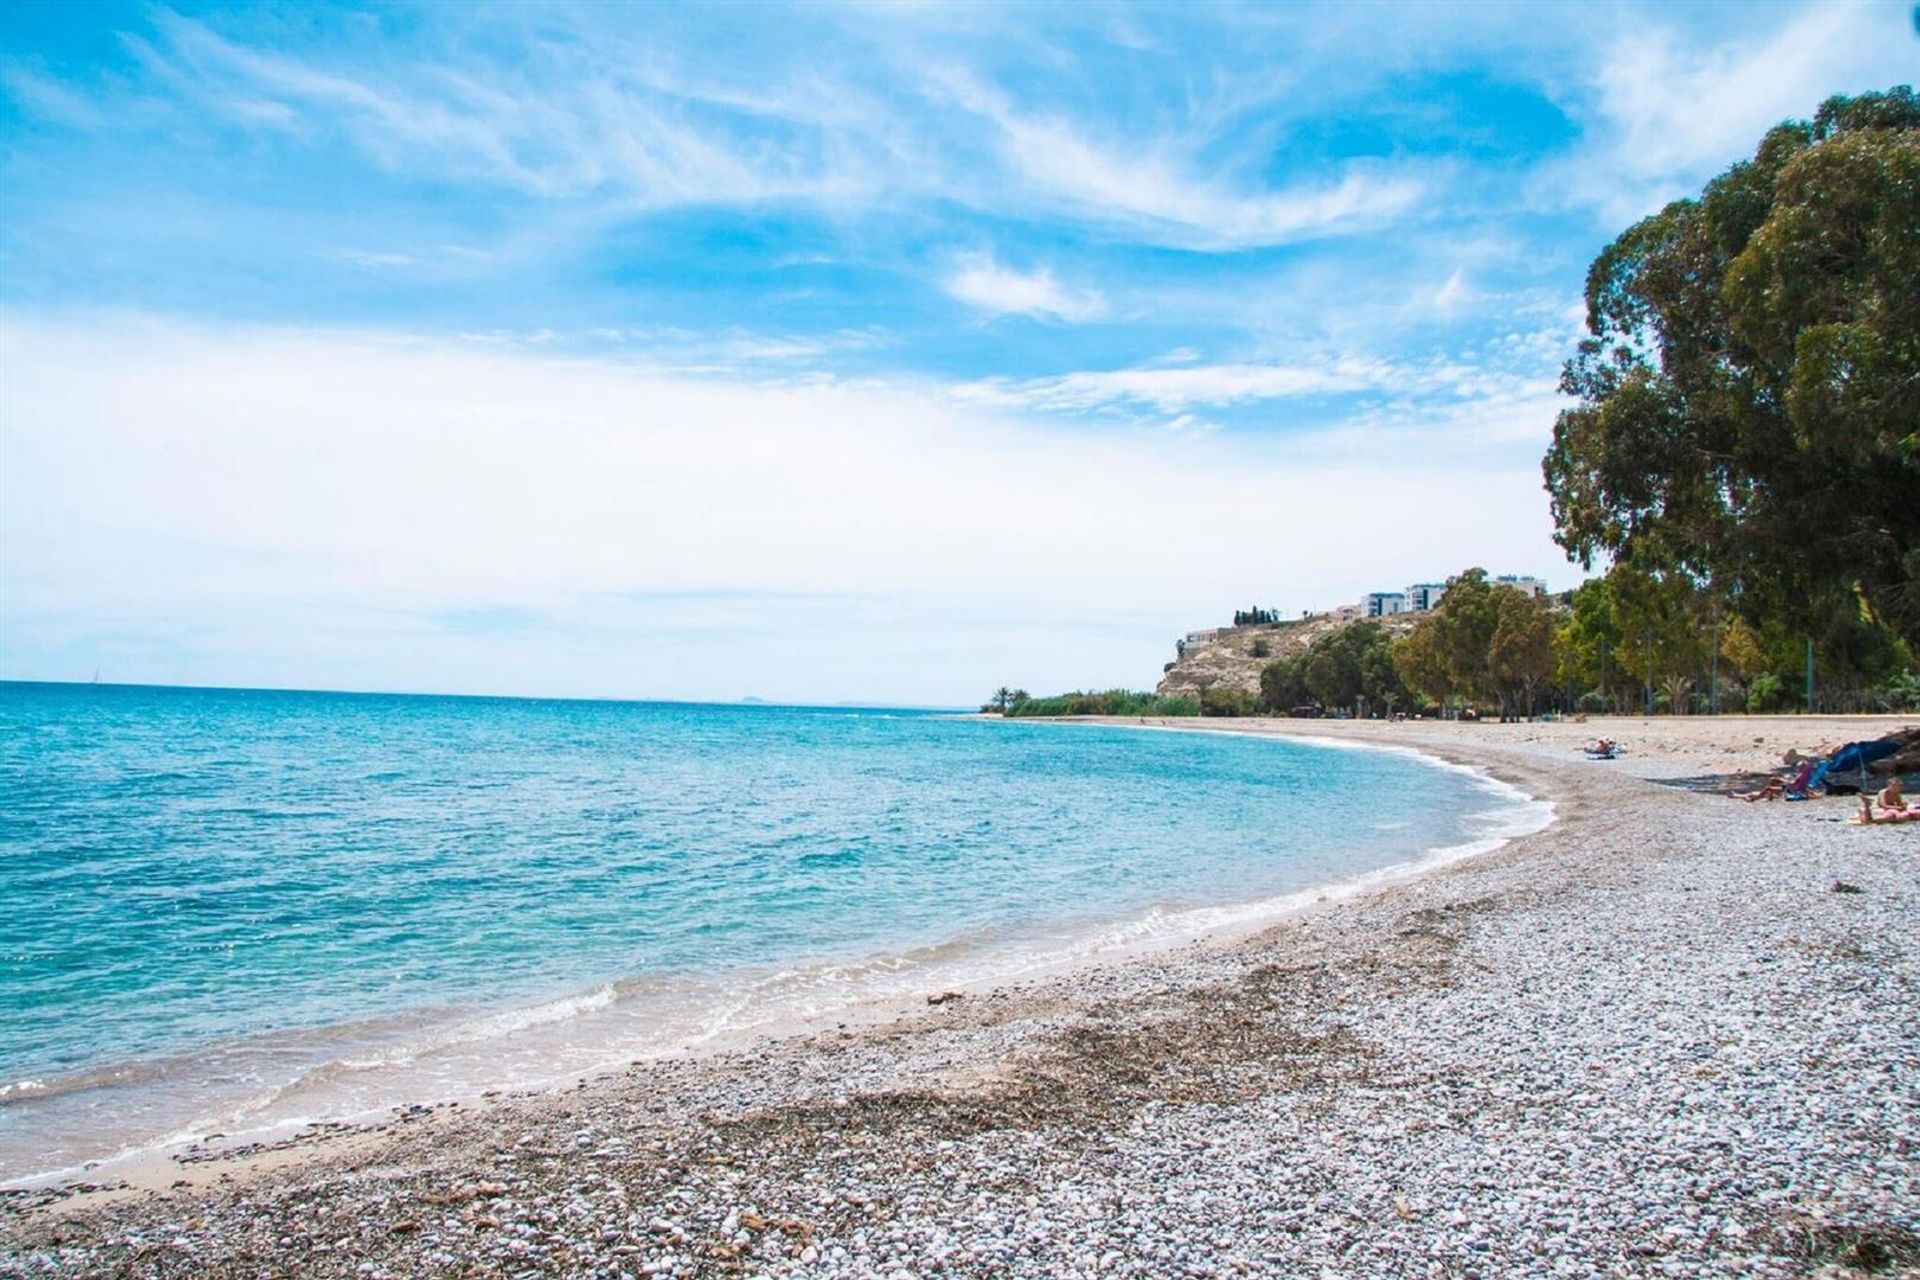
305 508
1181 387
48 99
981 282
1151 184
569 121
377 259
1669 111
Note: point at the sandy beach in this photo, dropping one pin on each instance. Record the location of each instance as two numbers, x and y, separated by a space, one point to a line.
1670 1034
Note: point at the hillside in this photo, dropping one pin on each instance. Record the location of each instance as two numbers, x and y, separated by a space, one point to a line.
1229 661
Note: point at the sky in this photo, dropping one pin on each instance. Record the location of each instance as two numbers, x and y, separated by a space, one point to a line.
825 353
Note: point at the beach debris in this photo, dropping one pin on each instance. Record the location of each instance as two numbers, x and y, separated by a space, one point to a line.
946 997
1841 886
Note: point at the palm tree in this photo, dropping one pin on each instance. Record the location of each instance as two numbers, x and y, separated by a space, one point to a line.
1676 688
1002 699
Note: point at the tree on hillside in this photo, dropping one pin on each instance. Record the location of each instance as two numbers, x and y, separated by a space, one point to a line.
1352 667
1349 667
1749 410
1422 665
1282 687
1520 654
1445 655
1486 642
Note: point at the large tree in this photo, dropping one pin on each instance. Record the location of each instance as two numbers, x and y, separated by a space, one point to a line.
1484 641
1749 408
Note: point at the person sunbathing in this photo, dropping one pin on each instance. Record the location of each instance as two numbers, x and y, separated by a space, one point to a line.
1889 806
1776 787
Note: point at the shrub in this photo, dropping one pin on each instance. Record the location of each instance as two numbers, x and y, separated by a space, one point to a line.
1767 693
1221 701
1903 691
1261 649
1107 702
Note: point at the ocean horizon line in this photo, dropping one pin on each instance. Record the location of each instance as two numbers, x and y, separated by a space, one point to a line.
771 704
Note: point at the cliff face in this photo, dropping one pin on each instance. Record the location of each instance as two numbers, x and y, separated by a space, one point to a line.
1229 662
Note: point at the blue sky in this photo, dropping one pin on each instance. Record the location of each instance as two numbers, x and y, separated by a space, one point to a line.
830 352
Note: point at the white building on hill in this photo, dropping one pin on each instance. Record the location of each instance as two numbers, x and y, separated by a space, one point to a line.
1380 604
1532 586
1422 597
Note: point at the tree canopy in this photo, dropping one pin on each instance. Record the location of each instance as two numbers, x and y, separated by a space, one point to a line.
1749 412
1350 667
1484 641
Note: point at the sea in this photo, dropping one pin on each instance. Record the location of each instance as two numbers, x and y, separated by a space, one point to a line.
245 911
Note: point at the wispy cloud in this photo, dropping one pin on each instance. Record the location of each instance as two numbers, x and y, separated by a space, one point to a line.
564 122
1670 110
1178 388
46 98
981 282
1152 186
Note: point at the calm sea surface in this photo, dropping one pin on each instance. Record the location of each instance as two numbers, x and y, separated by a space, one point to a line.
236 907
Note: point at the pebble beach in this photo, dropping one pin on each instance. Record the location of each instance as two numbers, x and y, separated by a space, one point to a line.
1670 1034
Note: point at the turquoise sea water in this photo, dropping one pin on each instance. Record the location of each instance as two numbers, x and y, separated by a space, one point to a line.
232 906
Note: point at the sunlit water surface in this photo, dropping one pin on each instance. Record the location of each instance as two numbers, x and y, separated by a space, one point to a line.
243 908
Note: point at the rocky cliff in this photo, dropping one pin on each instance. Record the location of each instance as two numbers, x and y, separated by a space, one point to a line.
1229 661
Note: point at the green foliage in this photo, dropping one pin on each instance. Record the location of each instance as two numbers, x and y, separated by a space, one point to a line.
1750 393
1282 688
1222 701
1108 702
1665 625
1485 642
1903 691
1350 667
1520 654
1262 649
1587 646
1768 693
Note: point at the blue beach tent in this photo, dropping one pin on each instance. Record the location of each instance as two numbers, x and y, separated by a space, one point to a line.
1855 755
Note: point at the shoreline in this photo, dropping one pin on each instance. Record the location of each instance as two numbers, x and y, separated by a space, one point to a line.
1299 1092
1008 958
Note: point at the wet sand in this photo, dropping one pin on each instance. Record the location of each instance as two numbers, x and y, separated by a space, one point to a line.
1672 1033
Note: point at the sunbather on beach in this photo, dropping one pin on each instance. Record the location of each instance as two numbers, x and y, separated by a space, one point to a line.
1776 787
1794 755
1889 806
